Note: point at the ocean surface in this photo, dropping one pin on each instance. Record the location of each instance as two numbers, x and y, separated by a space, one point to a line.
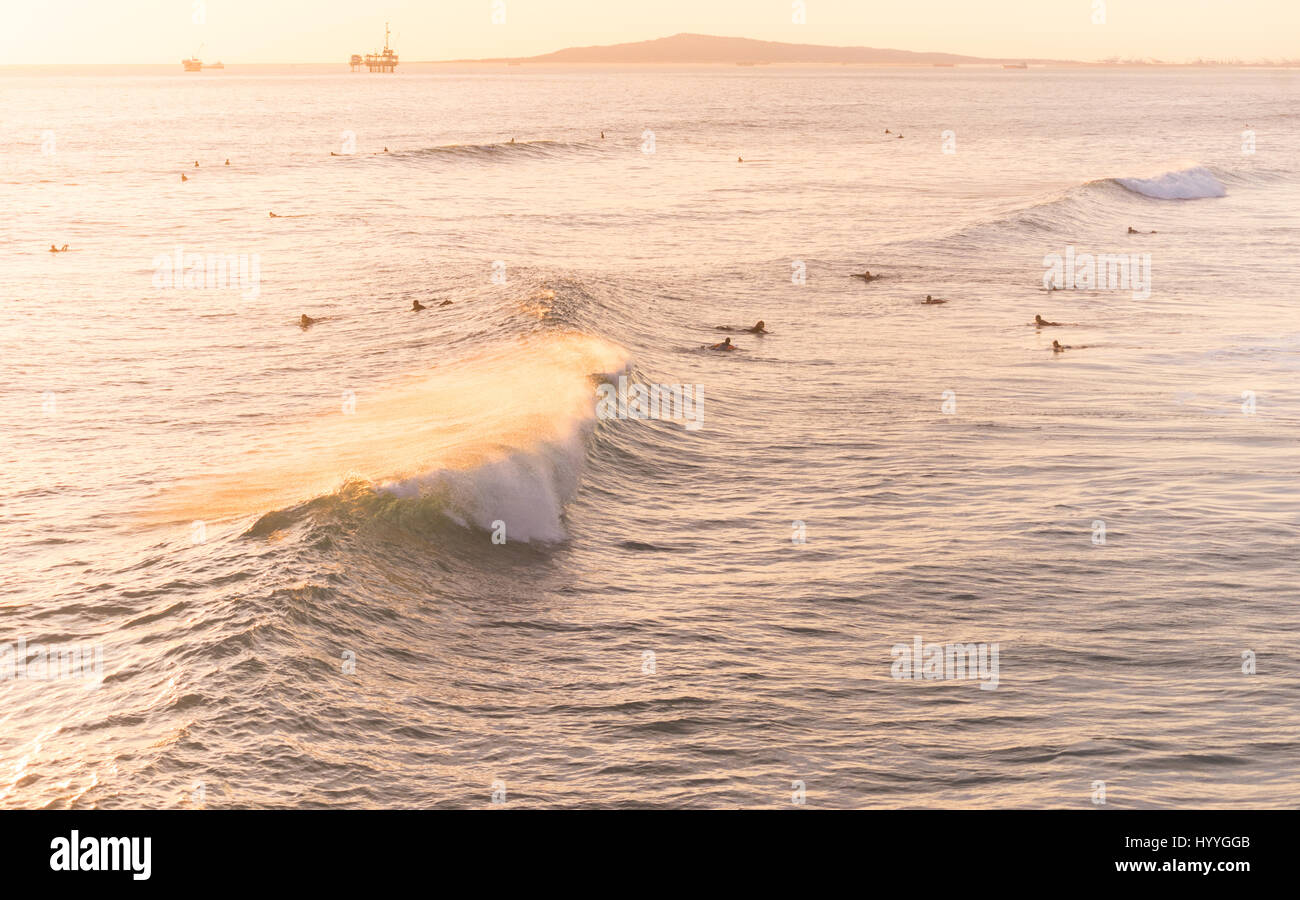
395 559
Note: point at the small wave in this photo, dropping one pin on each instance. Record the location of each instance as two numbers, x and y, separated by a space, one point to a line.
1091 202
497 150
1196 183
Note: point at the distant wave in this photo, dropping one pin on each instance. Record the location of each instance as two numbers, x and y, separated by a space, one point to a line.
499 149
1098 201
1196 183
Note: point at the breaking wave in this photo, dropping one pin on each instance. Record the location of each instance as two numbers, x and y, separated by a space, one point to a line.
500 436
1196 183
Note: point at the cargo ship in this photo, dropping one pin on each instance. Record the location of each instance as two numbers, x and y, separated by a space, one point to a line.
194 64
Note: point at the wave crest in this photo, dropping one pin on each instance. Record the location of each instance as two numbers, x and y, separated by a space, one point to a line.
500 436
498 150
1196 183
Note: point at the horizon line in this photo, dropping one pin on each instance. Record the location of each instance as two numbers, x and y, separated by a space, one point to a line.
542 58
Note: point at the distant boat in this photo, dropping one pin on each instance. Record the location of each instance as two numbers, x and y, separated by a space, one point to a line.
192 65
1015 65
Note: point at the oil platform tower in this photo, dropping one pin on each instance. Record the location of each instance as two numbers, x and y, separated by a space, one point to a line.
379 62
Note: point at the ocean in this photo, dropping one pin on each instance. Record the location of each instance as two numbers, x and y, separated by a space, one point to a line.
396 558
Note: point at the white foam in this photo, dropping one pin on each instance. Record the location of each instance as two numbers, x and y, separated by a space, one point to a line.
1188 184
526 490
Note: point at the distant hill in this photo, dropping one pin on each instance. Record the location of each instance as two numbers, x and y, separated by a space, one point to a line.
704 48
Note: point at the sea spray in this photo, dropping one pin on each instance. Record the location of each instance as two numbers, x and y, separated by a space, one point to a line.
500 434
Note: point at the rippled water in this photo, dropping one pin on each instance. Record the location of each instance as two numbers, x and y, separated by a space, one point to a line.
282 538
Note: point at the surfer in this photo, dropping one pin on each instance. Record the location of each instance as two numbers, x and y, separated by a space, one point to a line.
227 162
602 135
865 276
1040 321
416 306
759 328
1132 230
444 303
183 177
54 249
740 159
931 301
887 131
306 321
196 163
725 345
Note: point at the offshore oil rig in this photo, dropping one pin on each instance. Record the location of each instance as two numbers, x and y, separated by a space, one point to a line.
377 62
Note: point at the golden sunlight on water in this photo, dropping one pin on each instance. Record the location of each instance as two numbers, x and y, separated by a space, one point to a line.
461 415
676 617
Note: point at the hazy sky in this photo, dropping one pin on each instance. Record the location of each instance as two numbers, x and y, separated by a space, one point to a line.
164 31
